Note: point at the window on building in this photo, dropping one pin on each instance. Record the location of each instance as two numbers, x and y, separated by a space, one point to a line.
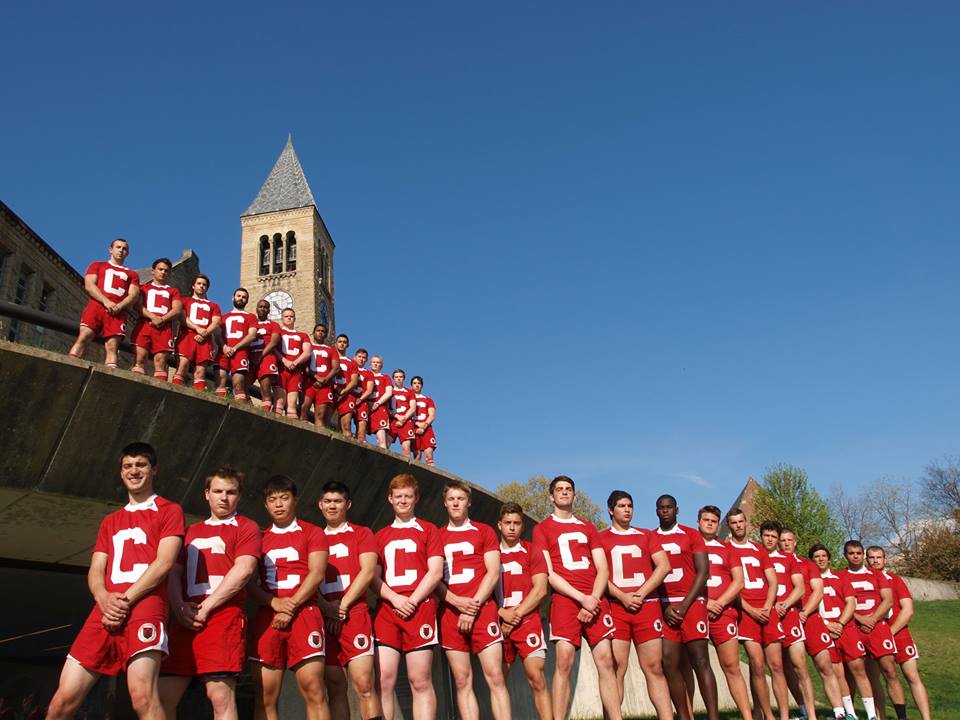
45 304
291 251
20 297
278 253
4 256
322 271
264 255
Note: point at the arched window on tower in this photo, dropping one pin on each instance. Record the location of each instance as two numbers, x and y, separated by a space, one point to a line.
322 272
291 251
264 255
278 253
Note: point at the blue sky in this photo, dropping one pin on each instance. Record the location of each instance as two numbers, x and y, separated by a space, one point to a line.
648 246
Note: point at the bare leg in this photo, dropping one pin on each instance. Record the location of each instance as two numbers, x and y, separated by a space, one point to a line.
268 682
650 654
607 679
758 678
387 664
140 360
309 675
491 662
831 688
112 346
798 679
774 655
160 361
463 683
361 675
728 654
346 422
678 687
566 653
382 439
919 691
75 683
223 698
419 667
706 680
143 671
83 339
621 658
533 668
171 689
335 679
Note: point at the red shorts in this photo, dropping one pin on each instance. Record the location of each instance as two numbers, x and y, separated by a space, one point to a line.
262 367
695 625
565 626
96 317
419 631
153 340
301 640
108 653
427 440
320 396
291 380
750 629
726 627
189 348
402 431
239 362
816 635
525 639
354 640
486 629
906 647
379 419
879 641
345 405
640 626
850 645
217 648
792 628
361 411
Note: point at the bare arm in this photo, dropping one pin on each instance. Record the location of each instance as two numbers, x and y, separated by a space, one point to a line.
247 339
367 391
816 595
903 619
113 605
167 552
736 585
90 285
491 561
560 585
130 298
385 398
233 582
428 583
536 595
272 342
316 567
795 594
358 587
701 564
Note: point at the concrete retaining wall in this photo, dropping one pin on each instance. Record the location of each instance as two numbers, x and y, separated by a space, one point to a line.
923 590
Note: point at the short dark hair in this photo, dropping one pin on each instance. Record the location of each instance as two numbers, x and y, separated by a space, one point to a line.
361 350
335 486
458 485
671 498
345 337
771 525
241 288
733 512
616 496
279 484
318 326
788 530
398 370
852 544
877 548
510 508
817 548
161 260
116 240
139 449
226 472
415 378
560 479
711 509
198 276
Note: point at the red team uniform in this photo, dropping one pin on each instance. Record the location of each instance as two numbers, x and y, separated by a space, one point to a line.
401 400
726 626
569 543
201 314
156 299
906 647
518 565
866 584
464 548
321 360
361 410
403 549
680 544
786 566
755 561
428 439
210 549
236 324
292 344
836 590
284 565
816 636
348 369
379 418
130 537
629 559
347 543
260 365
115 282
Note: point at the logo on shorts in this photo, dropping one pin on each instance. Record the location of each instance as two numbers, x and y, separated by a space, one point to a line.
911 650
732 629
533 640
361 642
426 631
170 344
825 638
315 640
493 630
888 644
860 646
608 621
701 626
244 363
147 632
658 625
795 632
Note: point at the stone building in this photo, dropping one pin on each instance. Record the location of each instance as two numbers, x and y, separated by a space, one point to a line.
286 252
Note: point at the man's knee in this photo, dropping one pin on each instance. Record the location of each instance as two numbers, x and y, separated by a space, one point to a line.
564 660
220 696
142 697
421 683
462 679
536 680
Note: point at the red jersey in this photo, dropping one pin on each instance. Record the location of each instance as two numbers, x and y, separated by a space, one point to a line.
808 568
130 536
236 325
114 281
210 549
348 368
518 565
628 556
867 584
680 543
321 359
347 543
158 299
786 567
401 400
900 592
424 405
404 548
292 343
721 560
755 561
464 549
365 377
569 543
265 330
286 555
836 590
380 384
200 312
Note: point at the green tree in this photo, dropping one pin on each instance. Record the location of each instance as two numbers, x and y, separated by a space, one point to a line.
534 497
936 554
787 496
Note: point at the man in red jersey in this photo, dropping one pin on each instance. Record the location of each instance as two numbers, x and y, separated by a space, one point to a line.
350 569
239 333
636 571
380 403
817 638
362 394
523 586
469 622
759 627
324 365
288 629
424 441
410 567
112 289
127 628
401 414
346 380
723 588
684 598
837 608
577 572
898 618
207 591
294 353
196 342
153 334
263 357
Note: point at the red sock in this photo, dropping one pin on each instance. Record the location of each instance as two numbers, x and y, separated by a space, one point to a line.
177 380
199 385
221 392
159 376
266 406
239 396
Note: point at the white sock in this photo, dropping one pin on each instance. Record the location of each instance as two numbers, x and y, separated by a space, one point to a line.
870 708
848 705
839 712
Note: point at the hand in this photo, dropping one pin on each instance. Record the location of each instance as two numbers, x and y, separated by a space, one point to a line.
465 622
332 627
714 608
283 605
803 617
111 626
200 337
464 604
673 616
781 609
186 615
836 629
404 606
419 431
590 603
281 621
229 351
509 617
342 611
584 616
763 616
288 364
866 622
156 321
114 606
202 615
112 308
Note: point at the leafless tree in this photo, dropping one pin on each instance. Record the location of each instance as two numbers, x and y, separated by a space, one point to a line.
897 513
855 514
941 486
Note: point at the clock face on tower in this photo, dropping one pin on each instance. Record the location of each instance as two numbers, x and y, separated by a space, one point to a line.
279 301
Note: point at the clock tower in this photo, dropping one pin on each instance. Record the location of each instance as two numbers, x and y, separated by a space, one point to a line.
286 252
